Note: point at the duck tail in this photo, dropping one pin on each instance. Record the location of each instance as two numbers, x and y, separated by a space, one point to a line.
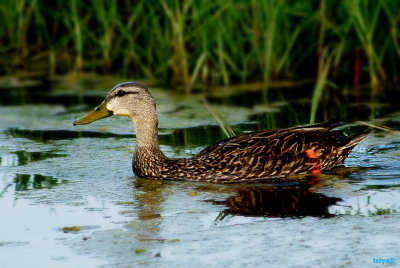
355 139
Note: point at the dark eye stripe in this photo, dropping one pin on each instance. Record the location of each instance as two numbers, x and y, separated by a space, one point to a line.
120 93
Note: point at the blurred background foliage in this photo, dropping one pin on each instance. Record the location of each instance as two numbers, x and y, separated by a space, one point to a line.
204 44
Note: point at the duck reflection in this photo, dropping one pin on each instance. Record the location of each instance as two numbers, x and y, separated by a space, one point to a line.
277 201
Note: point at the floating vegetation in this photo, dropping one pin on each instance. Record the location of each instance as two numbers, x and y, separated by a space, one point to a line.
72 229
47 135
139 250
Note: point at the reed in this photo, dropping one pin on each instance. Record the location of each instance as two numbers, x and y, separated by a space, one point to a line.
222 123
105 15
74 22
195 43
365 26
325 65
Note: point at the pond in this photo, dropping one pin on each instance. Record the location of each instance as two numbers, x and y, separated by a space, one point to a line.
68 196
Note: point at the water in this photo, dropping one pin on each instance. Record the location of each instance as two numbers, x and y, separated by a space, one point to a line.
54 175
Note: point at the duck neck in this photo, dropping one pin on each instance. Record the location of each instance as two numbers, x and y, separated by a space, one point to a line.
146 128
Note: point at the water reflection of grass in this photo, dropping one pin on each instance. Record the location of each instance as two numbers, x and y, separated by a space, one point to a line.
373 203
208 43
25 182
3 191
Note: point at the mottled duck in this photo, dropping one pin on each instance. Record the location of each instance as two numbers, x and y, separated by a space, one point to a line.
265 155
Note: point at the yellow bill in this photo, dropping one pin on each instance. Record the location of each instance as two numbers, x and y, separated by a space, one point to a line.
100 113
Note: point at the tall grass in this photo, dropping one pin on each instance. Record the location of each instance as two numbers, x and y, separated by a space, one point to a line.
222 123
193 43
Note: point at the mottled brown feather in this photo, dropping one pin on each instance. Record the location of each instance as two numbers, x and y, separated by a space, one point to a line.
267 155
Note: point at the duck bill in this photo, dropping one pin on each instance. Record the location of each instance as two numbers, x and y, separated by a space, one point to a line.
100 113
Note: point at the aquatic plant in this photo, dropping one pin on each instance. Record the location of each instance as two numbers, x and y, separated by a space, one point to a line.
196 43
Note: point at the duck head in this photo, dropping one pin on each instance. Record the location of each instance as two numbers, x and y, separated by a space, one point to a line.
130 99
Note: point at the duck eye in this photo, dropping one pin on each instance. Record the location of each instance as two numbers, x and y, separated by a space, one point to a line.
120 93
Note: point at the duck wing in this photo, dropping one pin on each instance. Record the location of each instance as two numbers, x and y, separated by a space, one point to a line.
317 128
278 152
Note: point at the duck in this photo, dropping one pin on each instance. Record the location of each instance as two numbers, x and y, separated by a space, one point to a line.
270 155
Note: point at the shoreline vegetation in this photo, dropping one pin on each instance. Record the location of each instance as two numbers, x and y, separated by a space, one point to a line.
208 44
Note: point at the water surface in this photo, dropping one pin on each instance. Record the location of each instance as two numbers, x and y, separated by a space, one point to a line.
68 196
